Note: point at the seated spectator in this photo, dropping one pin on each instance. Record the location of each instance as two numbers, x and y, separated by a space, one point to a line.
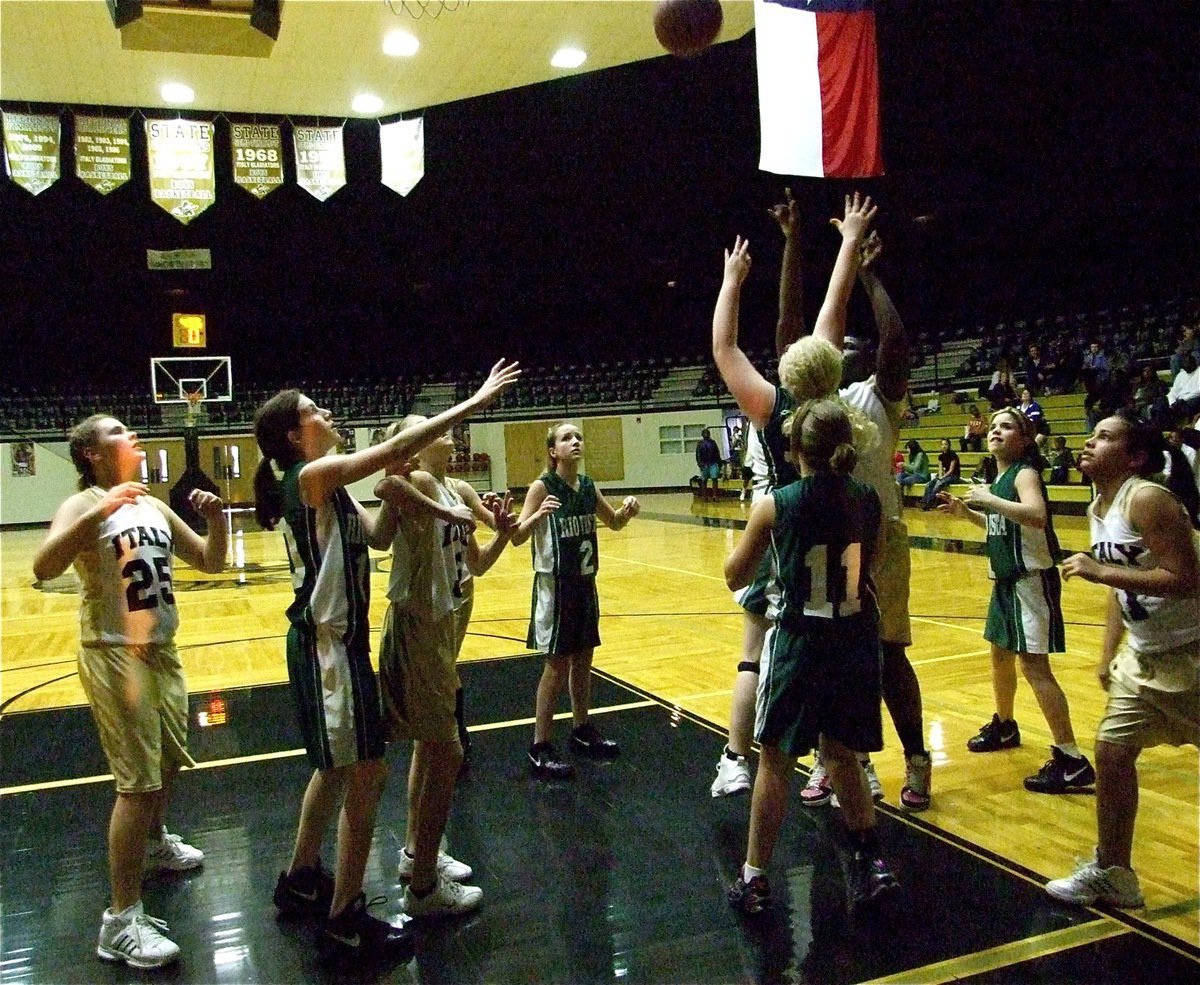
1183 399
949 471
1061 462
1001 392
1095 364
1033 410
916 469
1067 360
1188 343
1150 397
973 433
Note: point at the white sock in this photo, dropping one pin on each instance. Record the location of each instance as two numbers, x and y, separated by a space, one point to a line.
749 872
1070 749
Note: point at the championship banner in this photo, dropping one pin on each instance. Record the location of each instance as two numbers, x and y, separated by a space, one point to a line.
102 156
181 166
402 149
257 157
320 161
31 150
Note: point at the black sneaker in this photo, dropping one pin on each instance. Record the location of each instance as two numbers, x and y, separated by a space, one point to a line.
586 741
356 935
750 897
1062 774
995 735
307 892
545 764
868 883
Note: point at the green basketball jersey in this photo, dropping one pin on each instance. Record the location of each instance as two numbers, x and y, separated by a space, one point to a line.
564 544
1013 549
822 546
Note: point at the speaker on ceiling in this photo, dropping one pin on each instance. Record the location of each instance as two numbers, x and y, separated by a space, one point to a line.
124 12
264 17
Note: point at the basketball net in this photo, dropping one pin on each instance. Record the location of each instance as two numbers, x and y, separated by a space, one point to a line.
421 8
193 408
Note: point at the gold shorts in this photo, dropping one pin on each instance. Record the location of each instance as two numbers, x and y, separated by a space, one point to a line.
1143 716
892 576
140 703
417 676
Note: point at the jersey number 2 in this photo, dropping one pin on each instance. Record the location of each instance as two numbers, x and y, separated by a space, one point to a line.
585 558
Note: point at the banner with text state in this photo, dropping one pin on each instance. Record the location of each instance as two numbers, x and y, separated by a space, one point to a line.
102 156
181 166
402 152
31 146
257 157
320 160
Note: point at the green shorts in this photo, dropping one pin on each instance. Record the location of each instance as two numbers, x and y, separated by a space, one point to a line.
565 615
1025 614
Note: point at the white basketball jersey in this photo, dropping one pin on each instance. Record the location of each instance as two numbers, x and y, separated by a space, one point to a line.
429 561
1152 624
127 595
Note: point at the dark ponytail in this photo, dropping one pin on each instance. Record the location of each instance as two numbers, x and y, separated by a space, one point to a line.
272 422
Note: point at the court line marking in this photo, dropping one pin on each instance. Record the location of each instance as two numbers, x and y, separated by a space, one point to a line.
263 757
1006 955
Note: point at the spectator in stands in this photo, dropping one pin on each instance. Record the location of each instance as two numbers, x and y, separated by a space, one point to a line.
1188 343
1038 370
1183 398
1067 360
1061 462
976 428
708 458
1001 392
985 471
1095 363
949 471
1033 410
1150 397
916 469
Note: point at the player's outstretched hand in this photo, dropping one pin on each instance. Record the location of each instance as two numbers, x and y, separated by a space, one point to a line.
208 505
1082 565
548 506
869 252
503 375
502 512
630 507
856 219
737 262
125 494
787 214
951 504
464 517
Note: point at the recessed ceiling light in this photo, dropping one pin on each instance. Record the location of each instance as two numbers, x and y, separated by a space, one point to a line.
400 44
365 102
176 92
568 58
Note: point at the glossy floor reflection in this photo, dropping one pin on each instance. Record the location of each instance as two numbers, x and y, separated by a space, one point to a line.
617 876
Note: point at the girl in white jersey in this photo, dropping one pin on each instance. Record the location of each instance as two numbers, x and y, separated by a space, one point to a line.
434 554
1145 551
121 541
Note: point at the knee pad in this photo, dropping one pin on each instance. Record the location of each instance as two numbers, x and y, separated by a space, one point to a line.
748 665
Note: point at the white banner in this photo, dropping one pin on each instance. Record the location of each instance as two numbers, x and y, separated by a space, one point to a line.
320 160
181 166
31 150
402 150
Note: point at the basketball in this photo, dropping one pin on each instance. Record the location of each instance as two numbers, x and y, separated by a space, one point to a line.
687 27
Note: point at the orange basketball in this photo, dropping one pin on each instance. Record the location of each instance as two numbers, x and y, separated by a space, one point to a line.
687 27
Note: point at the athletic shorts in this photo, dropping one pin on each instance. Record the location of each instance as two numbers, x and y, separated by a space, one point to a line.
1025 614
710 471
1143 716
565 615
417 676
892 576
139 701
337 698
823 676
755 598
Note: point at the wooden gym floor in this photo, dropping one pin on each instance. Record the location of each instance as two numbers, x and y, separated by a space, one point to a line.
621 874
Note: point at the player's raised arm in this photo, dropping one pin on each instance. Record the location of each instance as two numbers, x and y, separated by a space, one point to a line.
753 393
854 225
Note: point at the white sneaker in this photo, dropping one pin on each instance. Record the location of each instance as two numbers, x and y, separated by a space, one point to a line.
873 782
447 899
169 853
733 776
135 938
1090 883
451 868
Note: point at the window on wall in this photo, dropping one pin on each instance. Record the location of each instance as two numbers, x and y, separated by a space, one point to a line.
679 439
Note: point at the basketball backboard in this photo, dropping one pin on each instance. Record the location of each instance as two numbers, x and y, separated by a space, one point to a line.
174 378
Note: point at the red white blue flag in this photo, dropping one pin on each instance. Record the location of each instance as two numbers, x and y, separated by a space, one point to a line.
818 87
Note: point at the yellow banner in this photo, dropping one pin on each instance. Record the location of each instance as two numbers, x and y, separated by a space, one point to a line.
31 150
102 156
320 160
257 157
181 166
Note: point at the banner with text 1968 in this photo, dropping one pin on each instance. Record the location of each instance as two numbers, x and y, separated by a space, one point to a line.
31 150
257 157
102 156
181 166
320 160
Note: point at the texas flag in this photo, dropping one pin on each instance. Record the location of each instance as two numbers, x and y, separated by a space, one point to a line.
818 87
